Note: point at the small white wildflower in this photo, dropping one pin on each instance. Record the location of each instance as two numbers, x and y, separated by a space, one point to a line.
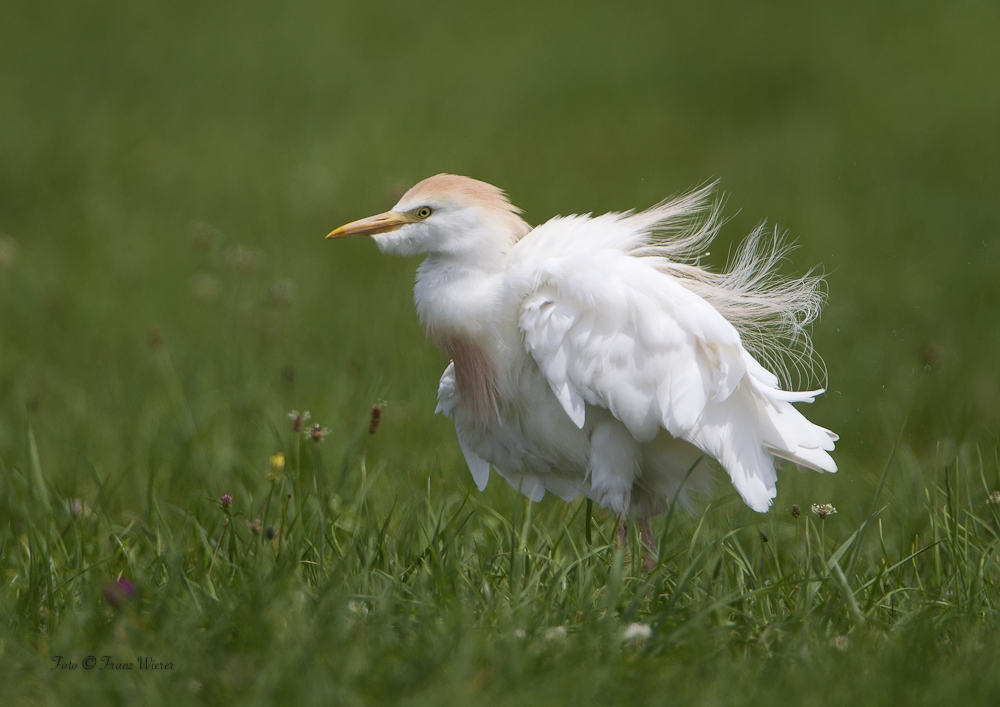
357 608
840 643
637 633
995 498
555 633
519 633
823 510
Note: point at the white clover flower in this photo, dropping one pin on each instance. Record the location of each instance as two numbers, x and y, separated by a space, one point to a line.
637 633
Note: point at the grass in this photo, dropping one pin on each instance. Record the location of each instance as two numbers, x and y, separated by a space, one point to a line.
336 597
166 175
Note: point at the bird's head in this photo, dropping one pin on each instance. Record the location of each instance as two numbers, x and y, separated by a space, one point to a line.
445 215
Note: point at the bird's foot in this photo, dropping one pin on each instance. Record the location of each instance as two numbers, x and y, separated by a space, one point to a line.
650 555
621 540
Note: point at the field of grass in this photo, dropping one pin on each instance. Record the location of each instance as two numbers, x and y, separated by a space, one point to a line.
167 173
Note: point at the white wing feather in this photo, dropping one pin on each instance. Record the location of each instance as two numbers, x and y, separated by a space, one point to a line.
613 330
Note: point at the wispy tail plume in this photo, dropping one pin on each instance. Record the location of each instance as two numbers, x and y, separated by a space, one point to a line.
771 312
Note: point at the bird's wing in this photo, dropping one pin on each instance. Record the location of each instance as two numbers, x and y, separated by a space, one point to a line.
612 330
447 400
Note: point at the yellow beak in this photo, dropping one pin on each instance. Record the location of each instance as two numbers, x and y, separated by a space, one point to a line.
383 223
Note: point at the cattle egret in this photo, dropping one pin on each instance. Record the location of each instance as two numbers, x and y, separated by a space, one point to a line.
593 355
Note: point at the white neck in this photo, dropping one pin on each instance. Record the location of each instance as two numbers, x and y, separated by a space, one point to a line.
473 243
456 298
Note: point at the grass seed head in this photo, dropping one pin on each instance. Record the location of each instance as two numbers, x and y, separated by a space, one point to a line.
298 419
206 287
796 510
243 259
204 235
822 510
154 339
317 433
375 419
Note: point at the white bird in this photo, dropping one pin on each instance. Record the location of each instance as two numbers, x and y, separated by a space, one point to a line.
592 355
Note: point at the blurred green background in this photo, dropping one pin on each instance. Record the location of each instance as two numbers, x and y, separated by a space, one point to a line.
174 166
168 172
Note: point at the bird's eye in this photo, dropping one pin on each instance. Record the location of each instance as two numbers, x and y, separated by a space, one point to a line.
423 212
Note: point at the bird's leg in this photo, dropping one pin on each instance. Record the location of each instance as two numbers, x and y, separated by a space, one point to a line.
621 540
650 555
